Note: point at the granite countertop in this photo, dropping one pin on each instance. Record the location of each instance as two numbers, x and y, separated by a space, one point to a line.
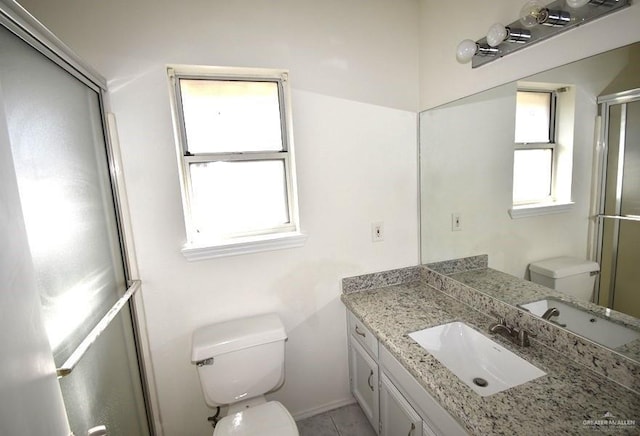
558 403
515 291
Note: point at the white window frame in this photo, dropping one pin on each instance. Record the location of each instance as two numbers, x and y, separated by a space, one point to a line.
284 236
551 204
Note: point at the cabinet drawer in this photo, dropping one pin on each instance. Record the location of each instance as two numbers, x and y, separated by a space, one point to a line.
362 334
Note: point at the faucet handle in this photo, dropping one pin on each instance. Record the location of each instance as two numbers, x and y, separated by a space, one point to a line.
501 319
523 337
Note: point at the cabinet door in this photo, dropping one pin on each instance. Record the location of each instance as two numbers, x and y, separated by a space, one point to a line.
397 417
427 431
363 374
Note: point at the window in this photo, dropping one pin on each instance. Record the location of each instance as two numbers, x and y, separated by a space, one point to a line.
235 152
543 155
533 163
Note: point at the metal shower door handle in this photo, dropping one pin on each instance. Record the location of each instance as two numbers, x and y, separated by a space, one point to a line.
98 430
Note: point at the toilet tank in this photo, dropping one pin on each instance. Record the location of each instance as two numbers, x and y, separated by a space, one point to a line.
239 359
570 275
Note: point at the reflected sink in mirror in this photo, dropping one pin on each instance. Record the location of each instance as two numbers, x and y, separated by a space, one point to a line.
482 364
477 162
600 330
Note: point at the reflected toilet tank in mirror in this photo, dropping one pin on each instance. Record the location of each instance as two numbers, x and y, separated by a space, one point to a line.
466 171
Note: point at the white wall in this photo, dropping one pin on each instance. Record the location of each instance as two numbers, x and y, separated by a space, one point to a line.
353 69
445 24
467 167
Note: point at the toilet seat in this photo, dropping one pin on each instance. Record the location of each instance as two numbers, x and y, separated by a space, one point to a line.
268 419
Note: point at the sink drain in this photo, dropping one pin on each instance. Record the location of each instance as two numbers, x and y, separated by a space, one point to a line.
479 381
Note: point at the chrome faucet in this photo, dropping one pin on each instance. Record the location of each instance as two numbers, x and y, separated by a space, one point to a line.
552 311
522 338
502 329
518 337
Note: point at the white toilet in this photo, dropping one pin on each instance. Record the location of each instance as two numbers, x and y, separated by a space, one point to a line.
238 362
570 275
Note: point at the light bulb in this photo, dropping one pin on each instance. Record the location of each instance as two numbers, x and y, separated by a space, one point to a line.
530 13
496 35
466 50
575 4
534 13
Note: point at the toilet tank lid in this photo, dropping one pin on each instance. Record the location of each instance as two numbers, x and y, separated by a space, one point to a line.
225 337
564 266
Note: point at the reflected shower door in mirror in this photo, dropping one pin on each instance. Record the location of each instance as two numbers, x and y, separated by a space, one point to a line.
467 171
619 235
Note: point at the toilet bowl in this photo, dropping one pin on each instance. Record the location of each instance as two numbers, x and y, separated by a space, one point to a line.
239 361
268 419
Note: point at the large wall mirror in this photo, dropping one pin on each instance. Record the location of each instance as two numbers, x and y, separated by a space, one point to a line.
469 159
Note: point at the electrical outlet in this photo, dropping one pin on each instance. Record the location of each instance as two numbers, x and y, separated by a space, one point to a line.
456 222
377 232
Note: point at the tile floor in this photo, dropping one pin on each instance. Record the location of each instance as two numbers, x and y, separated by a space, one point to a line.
344 421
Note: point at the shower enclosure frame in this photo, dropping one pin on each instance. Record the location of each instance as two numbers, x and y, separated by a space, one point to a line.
24 26
605 103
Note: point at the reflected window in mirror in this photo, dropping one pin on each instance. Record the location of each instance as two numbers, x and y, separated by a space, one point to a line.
543 149
532 175
535 144
535 117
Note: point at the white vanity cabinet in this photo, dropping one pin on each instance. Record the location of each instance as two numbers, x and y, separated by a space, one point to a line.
393 401
363 374
363 369
397 417
436 420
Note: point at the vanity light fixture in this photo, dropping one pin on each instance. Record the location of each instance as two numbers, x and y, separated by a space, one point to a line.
468 48
498 34
537 22
575 4
534 12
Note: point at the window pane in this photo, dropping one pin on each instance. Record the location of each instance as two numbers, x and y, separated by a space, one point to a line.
238 197
231 116
533 115
532 175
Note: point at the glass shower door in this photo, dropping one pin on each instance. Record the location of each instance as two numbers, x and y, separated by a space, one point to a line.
58 146
620 240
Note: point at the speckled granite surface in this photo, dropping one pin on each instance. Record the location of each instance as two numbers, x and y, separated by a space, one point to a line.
620 368
381 279
514 290
460 265
558 403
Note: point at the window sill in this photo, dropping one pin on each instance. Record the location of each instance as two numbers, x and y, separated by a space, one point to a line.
530 210
259 244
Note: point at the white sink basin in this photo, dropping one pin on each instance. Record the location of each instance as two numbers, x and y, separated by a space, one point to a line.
470 355
584 323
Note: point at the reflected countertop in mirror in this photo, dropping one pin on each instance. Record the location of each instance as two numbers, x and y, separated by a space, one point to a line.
474 273
466 176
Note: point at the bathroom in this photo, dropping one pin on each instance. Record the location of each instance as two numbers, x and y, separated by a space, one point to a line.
360 72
